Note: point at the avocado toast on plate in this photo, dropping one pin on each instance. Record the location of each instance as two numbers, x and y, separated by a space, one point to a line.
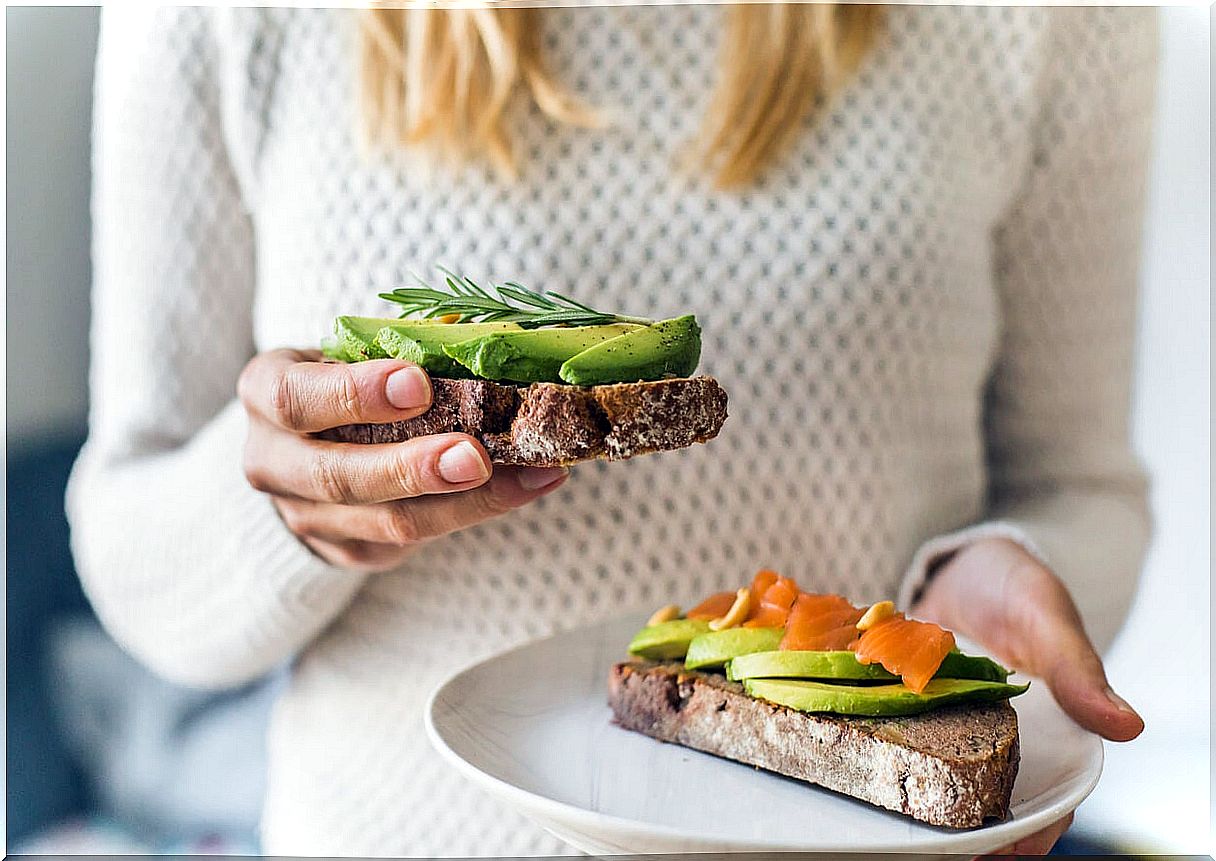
538 378
863 701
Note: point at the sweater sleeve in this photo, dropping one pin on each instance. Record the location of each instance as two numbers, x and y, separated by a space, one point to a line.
187 566
1063 480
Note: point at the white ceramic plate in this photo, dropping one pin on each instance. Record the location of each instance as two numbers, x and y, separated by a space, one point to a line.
532 727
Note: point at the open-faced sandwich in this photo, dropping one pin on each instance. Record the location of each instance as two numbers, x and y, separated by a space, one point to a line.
860 700
538 378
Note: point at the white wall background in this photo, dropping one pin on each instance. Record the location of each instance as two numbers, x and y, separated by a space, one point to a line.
49 60
1156 793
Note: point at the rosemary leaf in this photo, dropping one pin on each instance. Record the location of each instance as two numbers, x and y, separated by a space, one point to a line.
510 302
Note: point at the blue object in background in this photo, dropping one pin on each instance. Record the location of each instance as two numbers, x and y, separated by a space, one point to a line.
44 784
102 753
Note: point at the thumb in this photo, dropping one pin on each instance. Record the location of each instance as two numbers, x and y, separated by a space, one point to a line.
1074 673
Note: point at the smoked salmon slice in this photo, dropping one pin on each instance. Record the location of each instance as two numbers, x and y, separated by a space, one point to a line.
908 648
773 606
760 583
821 623
713 607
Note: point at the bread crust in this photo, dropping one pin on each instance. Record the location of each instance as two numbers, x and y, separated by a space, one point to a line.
954 767
548 424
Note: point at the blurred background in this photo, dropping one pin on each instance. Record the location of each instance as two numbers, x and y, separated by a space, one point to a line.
109 759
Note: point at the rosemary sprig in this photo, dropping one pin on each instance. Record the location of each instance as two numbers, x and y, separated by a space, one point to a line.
509 302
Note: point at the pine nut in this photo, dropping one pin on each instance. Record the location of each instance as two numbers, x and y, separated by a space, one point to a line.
664 614
879 612
737 612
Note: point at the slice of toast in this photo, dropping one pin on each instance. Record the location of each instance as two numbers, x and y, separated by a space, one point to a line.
547 424
953 767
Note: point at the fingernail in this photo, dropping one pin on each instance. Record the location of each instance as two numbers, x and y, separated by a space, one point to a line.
408 388
1120 703
462 463
536 477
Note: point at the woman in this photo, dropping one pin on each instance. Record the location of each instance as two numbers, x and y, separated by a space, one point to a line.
911 239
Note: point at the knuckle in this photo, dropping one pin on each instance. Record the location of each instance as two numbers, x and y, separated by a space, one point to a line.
1032 569
350 554
294 518
245 383
285 401
358 552
255 469
365 556
407 475
1041 582
258 477
346 393
400 526
490 502
330 479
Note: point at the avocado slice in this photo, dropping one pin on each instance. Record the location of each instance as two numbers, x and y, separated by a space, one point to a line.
956 665
793 664
879 700
714 648
331 348
666 641
422 342
668 347
355 338
532 355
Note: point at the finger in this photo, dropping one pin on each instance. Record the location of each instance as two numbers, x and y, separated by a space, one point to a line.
1078 683
1065 658
361 556
1040 842
287 465
413 521
292 392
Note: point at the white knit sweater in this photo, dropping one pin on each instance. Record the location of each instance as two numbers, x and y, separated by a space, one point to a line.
923 317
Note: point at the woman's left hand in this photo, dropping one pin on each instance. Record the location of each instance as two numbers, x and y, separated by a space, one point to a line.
998 595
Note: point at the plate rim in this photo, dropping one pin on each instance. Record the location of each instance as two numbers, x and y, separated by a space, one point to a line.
524 800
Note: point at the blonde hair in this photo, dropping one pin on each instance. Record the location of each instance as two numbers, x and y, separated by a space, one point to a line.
446 77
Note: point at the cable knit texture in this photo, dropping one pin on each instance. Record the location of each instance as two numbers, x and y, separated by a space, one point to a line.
923 315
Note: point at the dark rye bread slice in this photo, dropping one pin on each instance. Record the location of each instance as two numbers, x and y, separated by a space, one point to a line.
547 424
953 767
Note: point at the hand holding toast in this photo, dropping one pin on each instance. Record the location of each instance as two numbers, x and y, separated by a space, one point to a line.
367 507
999 595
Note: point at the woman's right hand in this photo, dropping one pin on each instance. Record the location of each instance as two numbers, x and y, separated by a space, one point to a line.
367 507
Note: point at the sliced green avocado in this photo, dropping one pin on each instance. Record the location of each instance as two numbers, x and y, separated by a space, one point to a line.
355 338
422 342
959 666
880 700
714 648
844 665
668 347
803 665
331 348
533 355
666 641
